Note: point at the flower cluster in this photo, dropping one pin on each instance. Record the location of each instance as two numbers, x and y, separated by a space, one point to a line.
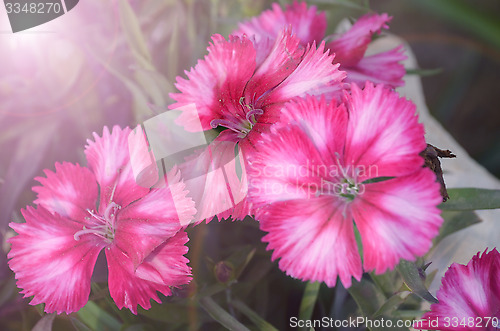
81 211
326 151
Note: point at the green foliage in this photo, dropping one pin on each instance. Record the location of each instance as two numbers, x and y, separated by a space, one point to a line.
471 199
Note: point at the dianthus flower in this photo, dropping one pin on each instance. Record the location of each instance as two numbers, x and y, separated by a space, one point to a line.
327 167
469 297
241 90
81 211
349 47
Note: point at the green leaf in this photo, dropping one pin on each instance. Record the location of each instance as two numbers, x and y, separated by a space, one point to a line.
390 305
97 319
170 313
424 72
308 301
471 199
135 38
412 279
367 296
220 315
454 221
261 323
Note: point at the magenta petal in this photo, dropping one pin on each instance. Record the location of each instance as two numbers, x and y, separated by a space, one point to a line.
146 223
288 166
283 58
164 268
167 264
390 147
307 24
49 263
315 244
70 191
215 81
325 124
315 75
108 157
397 219
470 292
382 68
350 48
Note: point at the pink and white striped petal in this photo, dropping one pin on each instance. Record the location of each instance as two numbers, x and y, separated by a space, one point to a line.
212 179
167 263
383 132
350 47
282 60
397 219
218 79
165 267
146 223
468 292
69 191
382 68
306 23
288 166
49 263
315 75
325 124
108 157
126 289
315 244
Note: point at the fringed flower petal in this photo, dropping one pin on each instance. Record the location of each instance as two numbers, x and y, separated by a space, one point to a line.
315 244
70 191
109 159
397 219
383 133
306 23
468 293
50 263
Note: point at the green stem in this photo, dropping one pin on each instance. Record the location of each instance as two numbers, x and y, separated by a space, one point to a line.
220 315
308 301
262 324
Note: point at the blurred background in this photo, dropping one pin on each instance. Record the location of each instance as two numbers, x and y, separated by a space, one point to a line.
114 62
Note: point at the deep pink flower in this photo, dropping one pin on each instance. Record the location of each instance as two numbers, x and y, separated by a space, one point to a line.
349 48
80 211
235 90
310 181
469 297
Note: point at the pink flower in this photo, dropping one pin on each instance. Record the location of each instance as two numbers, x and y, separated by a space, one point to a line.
469 297
327 165
238 91
80 211
349 48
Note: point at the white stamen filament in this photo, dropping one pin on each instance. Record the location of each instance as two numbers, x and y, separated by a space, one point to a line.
105 227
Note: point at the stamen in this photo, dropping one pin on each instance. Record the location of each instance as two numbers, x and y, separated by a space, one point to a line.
253 113
105 227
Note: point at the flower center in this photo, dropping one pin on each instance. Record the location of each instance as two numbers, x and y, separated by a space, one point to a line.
345 186
237 123
103 225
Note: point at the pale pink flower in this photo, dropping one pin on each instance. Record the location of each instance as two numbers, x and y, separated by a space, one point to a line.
311 180
236 91
469 297
349 48
81 211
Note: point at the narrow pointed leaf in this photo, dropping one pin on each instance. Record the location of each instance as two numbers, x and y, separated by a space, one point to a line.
471 199
261 323
412 279
308 301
